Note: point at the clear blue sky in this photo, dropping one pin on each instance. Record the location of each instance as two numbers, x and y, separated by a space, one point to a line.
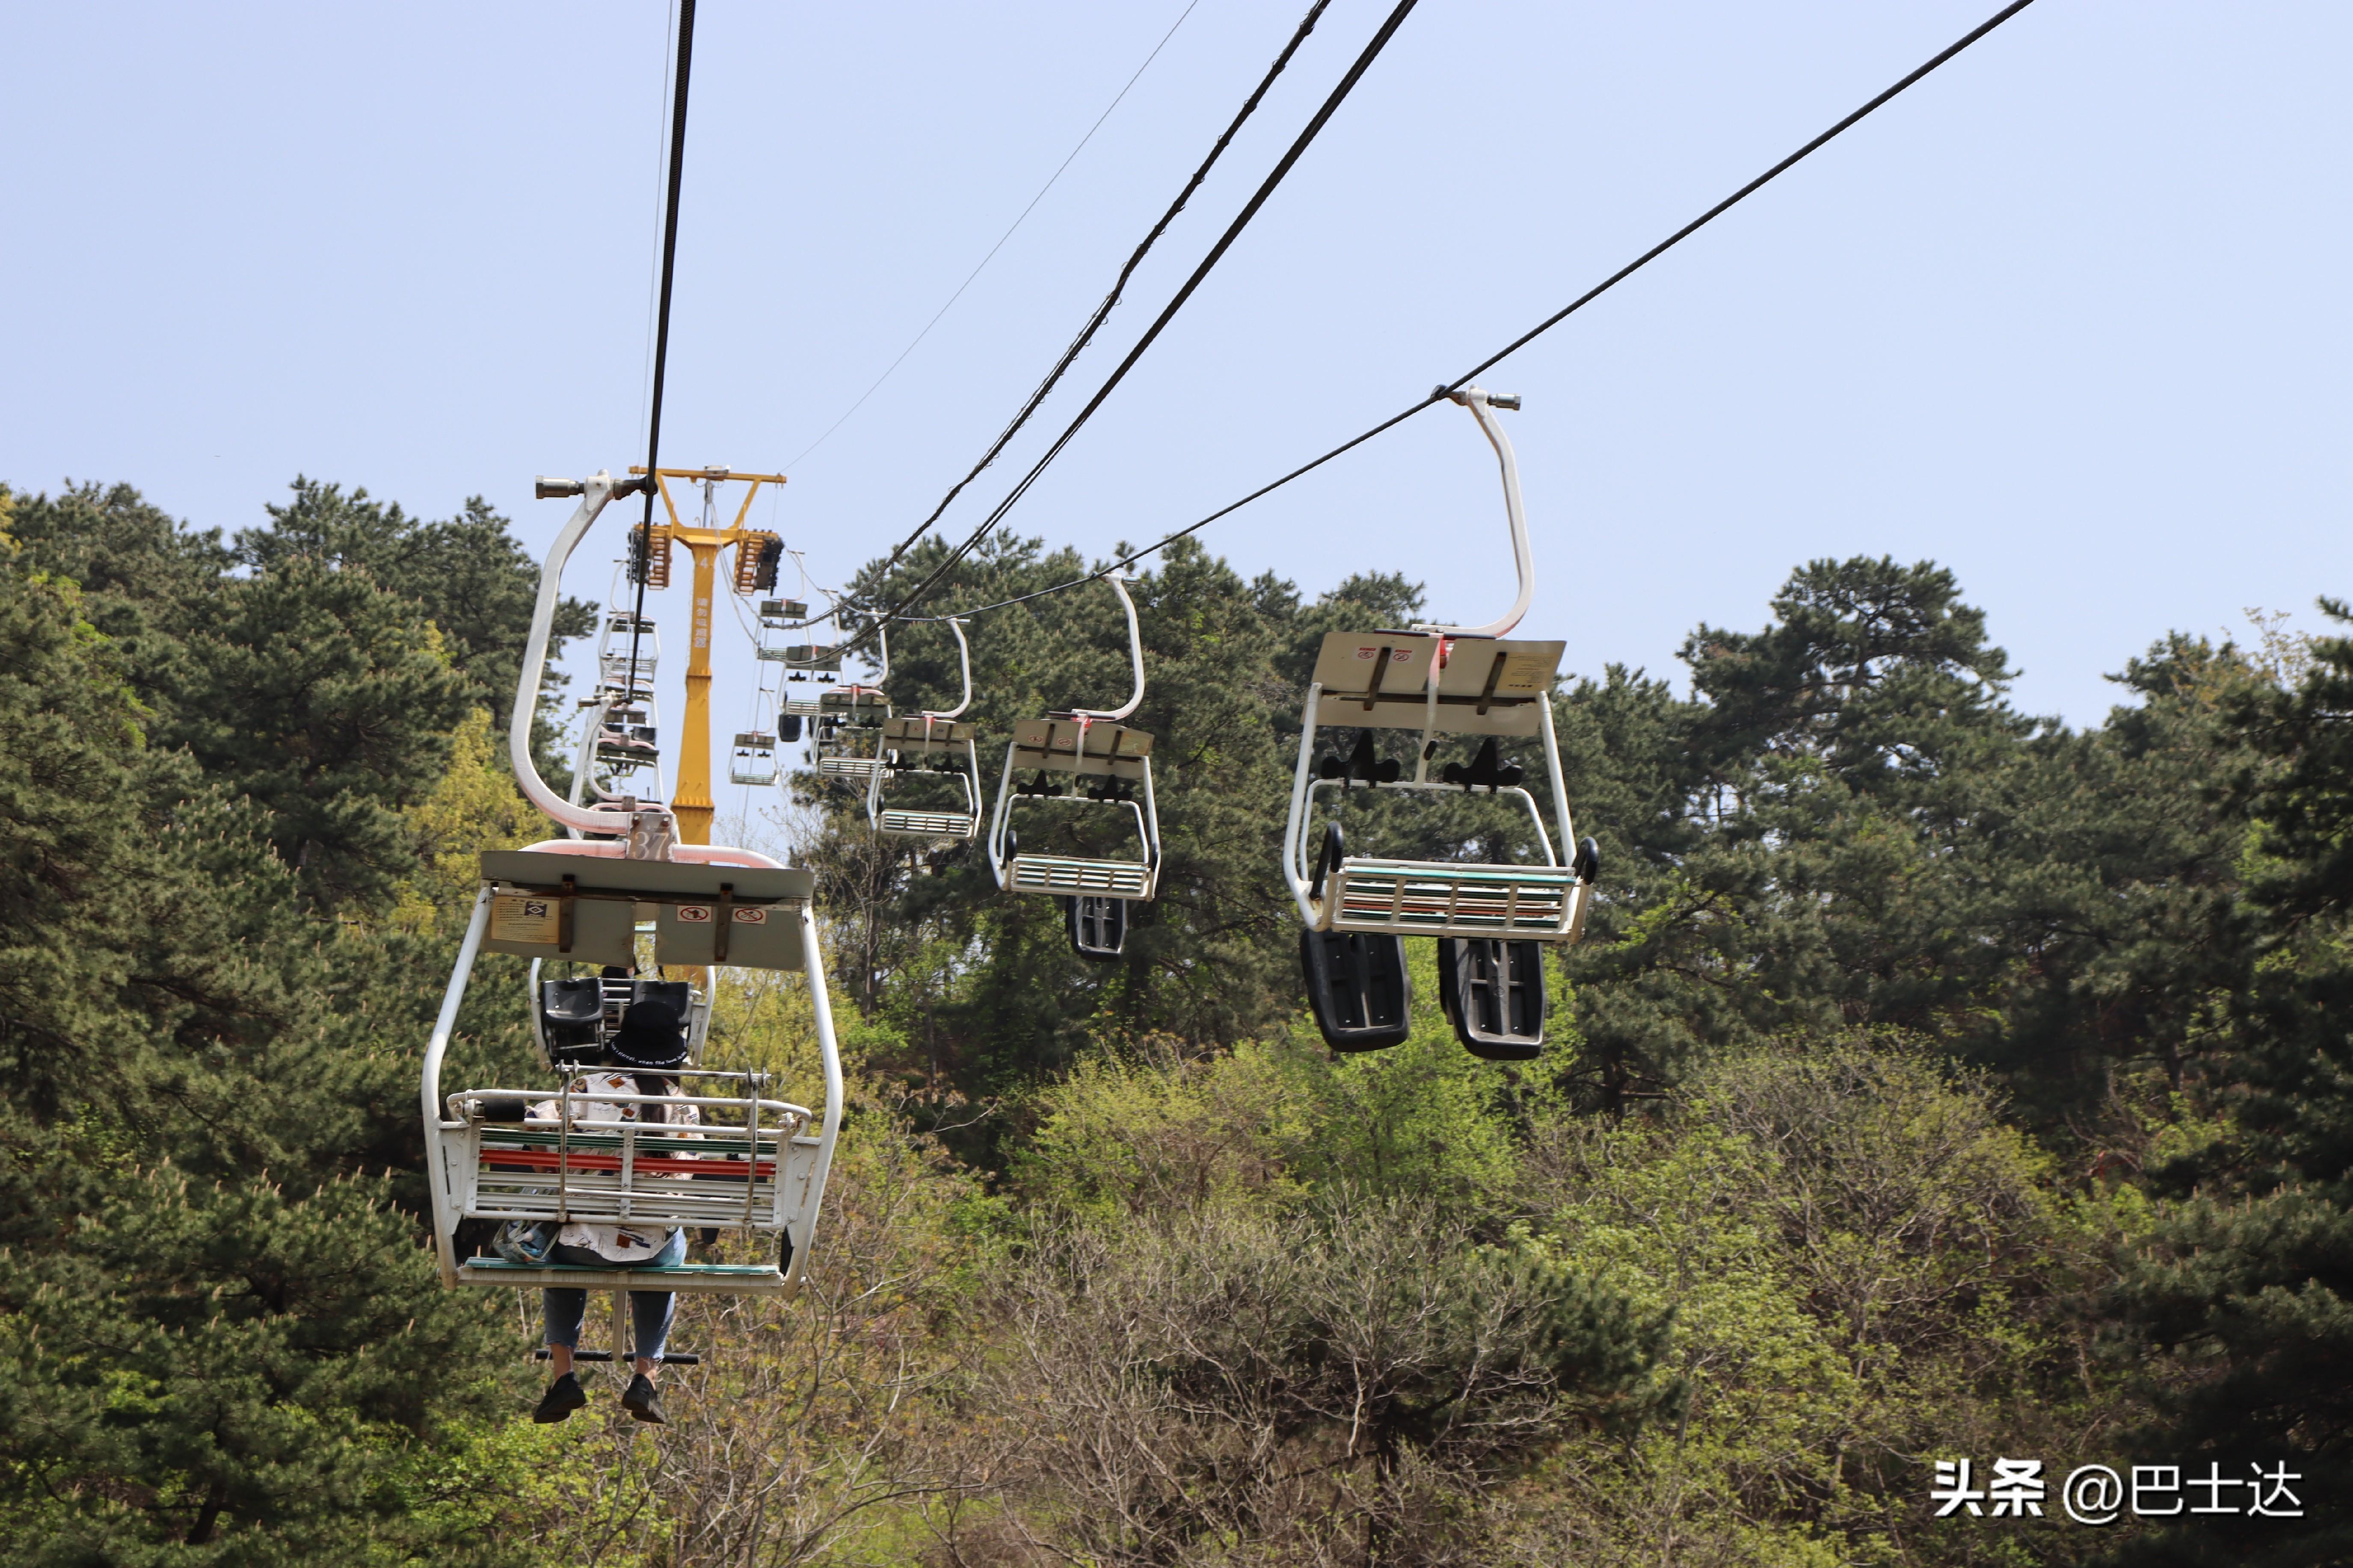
2070 318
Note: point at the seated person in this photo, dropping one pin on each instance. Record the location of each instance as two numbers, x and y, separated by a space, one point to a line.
652 1038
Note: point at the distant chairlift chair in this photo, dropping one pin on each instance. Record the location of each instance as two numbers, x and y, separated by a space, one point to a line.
1436 683
939 744
1108 763
779 617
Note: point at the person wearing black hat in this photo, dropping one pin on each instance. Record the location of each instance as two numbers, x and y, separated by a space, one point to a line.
651 1039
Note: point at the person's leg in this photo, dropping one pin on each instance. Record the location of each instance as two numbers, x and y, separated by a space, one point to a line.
655 1309
562 1311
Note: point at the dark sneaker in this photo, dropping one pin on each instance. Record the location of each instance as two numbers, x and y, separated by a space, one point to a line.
639 1400
563 1397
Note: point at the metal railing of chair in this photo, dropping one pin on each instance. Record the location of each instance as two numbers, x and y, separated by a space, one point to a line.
1435 898
957 824
1071 874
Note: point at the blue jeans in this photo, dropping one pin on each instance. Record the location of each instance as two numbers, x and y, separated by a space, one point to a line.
650 1310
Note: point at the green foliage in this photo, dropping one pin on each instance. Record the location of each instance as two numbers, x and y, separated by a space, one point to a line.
1933 1081
231 1346
471 576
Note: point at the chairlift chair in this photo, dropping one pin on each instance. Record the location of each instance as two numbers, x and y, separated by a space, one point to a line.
940 743
760 1164
1442 685
779 619
850 723
622 630
754 758
1108 763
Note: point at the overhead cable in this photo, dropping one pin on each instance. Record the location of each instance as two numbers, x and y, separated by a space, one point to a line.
1103 311
1234 231
661 326
1440 394
890 369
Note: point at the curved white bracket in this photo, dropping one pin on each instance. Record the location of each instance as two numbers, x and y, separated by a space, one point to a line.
1118 581
1481 405
594 493
963 657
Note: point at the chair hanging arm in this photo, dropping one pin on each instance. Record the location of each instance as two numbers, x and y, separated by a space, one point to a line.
1118 581
1481 405
593 493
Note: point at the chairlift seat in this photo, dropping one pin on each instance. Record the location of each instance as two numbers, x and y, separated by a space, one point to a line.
570 1012
858 768
1098 926
1493 993
1358 988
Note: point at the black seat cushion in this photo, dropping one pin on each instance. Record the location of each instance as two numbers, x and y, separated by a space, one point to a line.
569 1013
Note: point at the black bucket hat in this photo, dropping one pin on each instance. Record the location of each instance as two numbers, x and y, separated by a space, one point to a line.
652 1035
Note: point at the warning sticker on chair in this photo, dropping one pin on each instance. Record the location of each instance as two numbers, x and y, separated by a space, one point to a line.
694 914
751 917
1524 672
514 918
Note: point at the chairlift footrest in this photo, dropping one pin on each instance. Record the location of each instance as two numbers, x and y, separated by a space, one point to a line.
928 824
1439 899
668 1358
747 1277
1072 875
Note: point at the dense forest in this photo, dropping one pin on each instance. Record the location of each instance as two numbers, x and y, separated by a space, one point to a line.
1935 1082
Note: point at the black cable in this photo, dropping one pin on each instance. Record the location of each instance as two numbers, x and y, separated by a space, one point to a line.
1438 394
642 559
1103 311
1234 231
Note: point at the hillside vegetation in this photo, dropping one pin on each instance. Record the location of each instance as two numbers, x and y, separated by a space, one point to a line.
1934 1082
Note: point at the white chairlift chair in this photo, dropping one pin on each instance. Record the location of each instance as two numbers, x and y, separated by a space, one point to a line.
760 1163
1108 762
1441 685
930 745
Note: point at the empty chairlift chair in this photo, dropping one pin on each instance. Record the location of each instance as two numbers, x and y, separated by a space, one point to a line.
753 760
929 747
779 618
1107 763
849 722
1445 688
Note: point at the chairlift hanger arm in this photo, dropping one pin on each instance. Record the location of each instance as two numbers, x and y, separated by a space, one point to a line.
593 493
1481 405
964 659
1118 581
